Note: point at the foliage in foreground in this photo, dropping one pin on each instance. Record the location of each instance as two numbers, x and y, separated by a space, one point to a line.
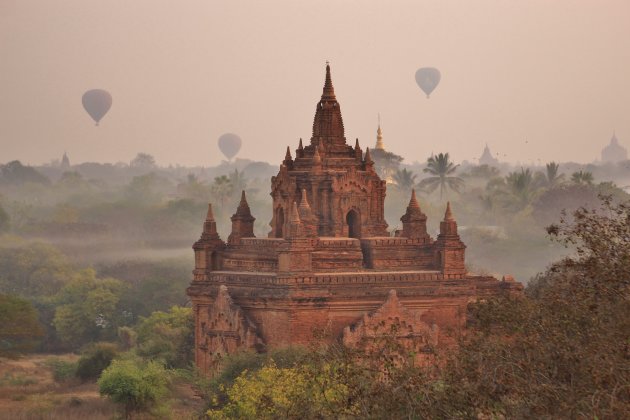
560 351
134 385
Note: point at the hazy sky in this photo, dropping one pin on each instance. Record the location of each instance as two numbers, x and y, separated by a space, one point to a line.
535 79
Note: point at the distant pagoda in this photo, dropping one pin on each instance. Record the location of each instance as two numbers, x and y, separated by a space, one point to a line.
385 163
487 158
65 162
614 152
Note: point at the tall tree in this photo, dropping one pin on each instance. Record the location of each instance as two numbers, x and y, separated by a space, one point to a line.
552 175
143 160
582 177
88 308
442 170
20 328
521 186
238 181
404 179
222 189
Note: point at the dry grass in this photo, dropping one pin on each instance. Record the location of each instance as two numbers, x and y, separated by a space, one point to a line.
28 391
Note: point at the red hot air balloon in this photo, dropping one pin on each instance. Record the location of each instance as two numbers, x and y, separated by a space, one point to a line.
230 144
428 78
97 102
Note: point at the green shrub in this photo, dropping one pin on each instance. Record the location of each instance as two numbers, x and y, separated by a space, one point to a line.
95 360
62 370
135 385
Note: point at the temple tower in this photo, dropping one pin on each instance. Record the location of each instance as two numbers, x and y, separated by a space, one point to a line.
242 222
614 152
345 195
449 249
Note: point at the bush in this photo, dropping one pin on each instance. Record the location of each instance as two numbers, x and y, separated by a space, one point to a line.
62 370
133 384
20 329
95 360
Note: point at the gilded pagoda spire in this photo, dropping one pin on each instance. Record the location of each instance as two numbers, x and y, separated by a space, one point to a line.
379 136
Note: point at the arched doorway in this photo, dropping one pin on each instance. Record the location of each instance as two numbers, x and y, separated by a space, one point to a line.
279 222
354 224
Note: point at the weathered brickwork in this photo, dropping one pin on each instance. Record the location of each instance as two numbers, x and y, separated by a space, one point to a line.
329 263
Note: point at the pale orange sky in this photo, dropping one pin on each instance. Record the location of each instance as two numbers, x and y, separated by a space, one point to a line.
535 79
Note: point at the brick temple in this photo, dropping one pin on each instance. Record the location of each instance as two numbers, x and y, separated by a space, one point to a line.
329 263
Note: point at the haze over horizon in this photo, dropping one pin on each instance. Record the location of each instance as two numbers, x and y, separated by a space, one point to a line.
535 80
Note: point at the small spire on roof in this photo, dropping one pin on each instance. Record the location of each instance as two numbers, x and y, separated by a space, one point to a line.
413 203
288 155
448 215
329 91
295 215
243 206
368 156
304 201
316 157
210 215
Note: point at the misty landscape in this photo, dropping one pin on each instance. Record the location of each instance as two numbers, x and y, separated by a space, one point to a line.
121 122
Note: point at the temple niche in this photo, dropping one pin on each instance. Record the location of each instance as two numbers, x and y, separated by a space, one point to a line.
329 261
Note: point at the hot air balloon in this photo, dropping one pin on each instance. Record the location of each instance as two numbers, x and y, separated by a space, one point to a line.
97 102
428 78
230 144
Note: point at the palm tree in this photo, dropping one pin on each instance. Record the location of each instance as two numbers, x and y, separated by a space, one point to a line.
552 176
441 168
582 177
404 179
238 181
521 186
222 189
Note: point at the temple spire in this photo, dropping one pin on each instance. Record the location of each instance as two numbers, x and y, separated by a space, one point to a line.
243 206
448 215
413 203
329 90
379 136
242 222
210 215
328 123
368 156
210 226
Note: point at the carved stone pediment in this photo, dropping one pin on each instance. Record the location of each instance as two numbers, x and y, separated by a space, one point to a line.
393 320
227 329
